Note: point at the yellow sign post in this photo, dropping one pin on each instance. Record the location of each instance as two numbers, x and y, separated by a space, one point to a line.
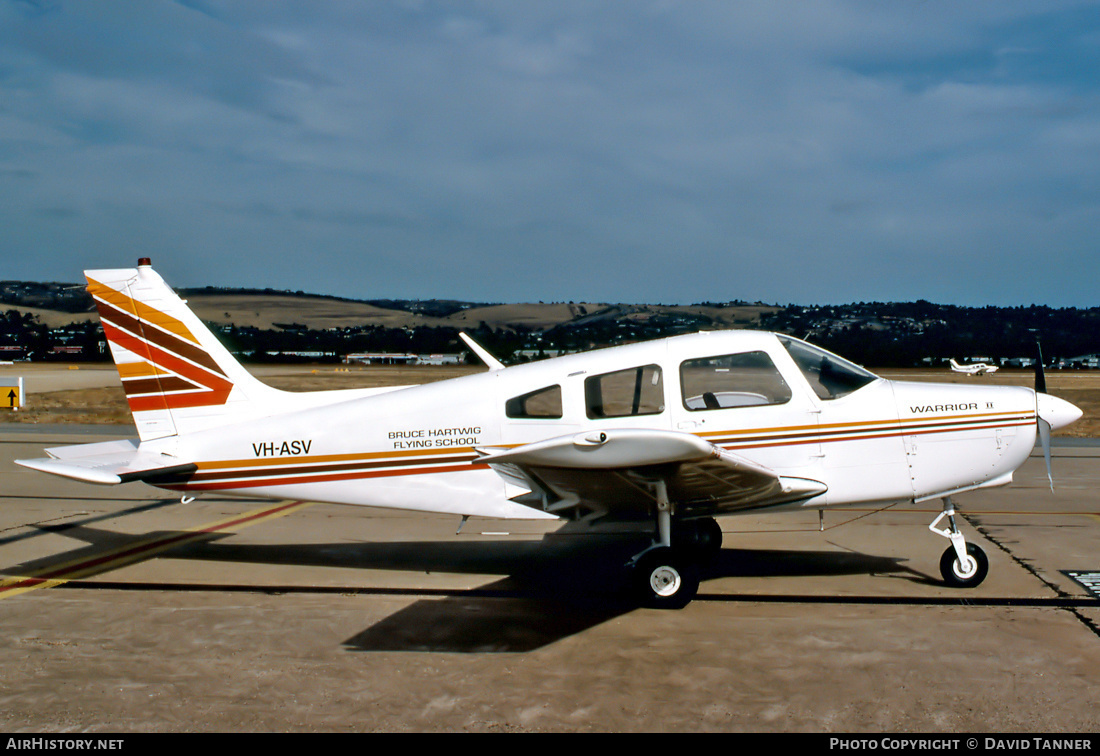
11 393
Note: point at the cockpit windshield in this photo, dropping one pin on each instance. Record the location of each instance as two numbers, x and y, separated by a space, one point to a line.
831 377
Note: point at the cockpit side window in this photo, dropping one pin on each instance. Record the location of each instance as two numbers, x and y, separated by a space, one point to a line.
625 393
543 404
749 379
830 376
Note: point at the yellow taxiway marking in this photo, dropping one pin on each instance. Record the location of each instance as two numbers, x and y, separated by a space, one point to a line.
137 552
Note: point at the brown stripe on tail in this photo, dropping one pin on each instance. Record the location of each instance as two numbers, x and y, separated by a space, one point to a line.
172 370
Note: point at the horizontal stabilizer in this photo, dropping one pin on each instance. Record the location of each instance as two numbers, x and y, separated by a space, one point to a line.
108 463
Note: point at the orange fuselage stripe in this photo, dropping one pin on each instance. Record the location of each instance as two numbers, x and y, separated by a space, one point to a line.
255 473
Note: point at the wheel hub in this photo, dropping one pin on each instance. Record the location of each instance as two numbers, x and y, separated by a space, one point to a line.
965 568
665 581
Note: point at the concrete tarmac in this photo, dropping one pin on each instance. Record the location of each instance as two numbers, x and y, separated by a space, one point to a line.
125 610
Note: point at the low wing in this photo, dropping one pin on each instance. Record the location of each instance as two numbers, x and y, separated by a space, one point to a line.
616 471
108 463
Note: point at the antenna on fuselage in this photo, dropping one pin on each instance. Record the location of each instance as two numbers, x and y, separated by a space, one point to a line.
482 352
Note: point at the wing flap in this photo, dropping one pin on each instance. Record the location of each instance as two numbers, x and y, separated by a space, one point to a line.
730 483
607 450
108 463
615 471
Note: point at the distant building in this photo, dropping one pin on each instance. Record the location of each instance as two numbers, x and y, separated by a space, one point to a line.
406 358
302 355
1084 361
535 354
381 358
440 359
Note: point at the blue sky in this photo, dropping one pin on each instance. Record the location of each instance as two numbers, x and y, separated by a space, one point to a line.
663 152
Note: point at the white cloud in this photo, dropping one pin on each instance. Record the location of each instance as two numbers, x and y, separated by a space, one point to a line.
660 151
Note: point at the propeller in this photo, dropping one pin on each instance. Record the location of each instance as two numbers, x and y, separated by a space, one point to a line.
1050 412
1044 426
1040 375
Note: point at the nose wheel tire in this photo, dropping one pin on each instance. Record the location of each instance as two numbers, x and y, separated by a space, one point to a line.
666 580
968 574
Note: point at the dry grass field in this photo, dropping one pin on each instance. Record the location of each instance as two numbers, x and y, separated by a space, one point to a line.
94 396
60 394
263 311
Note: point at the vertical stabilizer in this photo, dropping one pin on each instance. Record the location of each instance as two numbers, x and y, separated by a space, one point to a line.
178 378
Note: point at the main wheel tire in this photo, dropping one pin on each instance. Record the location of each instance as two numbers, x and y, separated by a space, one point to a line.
665 579
969 575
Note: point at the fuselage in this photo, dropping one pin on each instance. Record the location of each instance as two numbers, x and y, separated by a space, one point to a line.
776 401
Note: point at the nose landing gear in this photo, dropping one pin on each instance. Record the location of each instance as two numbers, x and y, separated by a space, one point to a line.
963 565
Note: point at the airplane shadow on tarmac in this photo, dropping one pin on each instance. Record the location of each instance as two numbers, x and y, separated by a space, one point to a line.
549 589
563 596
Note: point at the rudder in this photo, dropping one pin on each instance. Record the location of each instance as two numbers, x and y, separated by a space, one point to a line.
177 376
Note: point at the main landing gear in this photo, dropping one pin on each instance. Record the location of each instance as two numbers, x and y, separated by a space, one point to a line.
963 565
666 578
666 575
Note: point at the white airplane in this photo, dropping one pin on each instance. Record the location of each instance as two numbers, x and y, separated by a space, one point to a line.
978 368
667 434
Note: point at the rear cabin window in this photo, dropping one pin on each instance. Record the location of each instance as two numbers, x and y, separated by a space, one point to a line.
625 393
542 404
749 379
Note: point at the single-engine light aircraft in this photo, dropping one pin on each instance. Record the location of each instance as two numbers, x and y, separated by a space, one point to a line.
977 368
671 433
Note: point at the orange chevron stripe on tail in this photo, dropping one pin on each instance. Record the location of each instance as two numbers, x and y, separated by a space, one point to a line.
165 368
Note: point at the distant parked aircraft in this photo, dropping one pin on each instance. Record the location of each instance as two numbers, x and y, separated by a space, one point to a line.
978 368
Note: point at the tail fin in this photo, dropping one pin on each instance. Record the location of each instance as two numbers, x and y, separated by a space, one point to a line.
177 376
